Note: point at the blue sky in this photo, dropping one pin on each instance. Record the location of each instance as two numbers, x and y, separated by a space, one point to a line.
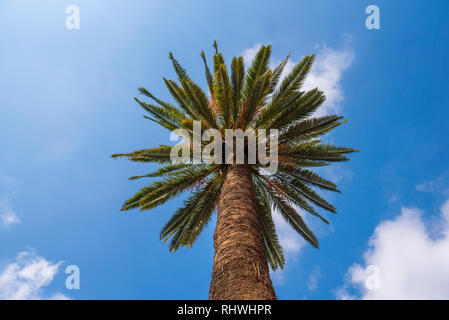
67 105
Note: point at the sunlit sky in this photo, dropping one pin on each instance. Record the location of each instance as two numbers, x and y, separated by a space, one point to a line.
66 105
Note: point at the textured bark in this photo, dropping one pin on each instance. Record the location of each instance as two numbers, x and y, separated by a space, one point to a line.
240 268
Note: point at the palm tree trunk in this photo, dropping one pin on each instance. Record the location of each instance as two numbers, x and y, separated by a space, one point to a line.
240 268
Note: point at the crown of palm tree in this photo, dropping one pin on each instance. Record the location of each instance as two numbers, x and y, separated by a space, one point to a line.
253 99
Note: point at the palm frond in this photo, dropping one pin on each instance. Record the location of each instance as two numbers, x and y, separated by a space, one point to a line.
308 177
292 218
279 203
258 67
316 151
162 171
180 71
209 76
296 186
288 91
293 81
273 247
199 101
238 80
168 106
158 192
294 196
256 99
310 128
303 107
160 154
277 74
181 97
254 86
189 221
223 94
170 120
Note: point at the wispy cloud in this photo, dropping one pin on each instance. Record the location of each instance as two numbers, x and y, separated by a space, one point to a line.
438 185
412 260
250 53
7 215
336 173
25 278
291 243
7 184
394 198
326 73
8 187
290 240
61 149
314 277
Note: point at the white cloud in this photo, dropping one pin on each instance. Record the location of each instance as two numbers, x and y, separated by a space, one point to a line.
250 53
438 185
61 149
336 173
7 215
394 198
425 187
412 259
8 187
314 277
326 73
290 241
7 183
25 278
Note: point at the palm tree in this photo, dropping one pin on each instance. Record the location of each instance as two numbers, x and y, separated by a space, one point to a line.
245 238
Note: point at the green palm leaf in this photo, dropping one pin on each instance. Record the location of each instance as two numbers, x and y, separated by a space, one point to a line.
259 98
